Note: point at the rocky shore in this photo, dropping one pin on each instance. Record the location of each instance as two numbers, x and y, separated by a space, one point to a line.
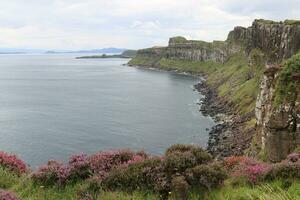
230 136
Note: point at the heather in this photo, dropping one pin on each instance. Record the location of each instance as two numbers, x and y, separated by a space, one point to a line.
6 195
183 172
12 163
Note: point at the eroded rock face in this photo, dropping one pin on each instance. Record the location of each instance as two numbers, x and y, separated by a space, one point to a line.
180 48
278 40
279 125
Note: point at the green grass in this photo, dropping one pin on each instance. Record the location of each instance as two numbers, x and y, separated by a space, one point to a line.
234 80
193 67
211 45
292 22
27 190
178 39
287 22
276 190
144 61
24 187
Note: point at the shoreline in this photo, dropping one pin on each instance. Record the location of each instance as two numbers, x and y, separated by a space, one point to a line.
201 76
224 137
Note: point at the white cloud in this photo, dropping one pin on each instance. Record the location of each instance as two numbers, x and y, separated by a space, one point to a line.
84 24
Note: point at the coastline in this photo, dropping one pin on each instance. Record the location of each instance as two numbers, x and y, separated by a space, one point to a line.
224 137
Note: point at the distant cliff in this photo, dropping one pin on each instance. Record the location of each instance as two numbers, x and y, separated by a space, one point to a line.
125 54
277 40
245 70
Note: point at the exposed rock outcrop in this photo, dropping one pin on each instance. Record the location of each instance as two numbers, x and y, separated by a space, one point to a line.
278 40
265 43
180 48
279 122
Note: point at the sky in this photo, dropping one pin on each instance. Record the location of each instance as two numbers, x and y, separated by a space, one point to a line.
132 24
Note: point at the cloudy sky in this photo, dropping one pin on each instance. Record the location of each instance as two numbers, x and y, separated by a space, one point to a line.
88 24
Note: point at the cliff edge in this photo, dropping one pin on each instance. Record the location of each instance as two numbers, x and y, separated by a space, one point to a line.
251 75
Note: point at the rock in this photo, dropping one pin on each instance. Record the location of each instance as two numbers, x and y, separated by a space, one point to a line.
273 42
277 40
277 124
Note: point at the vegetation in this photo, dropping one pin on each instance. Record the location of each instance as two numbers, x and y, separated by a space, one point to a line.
292 22
288 22
132 175
235 80
178 39
286 85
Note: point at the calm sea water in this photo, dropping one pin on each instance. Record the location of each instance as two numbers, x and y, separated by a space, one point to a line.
52 106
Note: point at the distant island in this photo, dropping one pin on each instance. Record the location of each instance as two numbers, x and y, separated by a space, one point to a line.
111 50
125 54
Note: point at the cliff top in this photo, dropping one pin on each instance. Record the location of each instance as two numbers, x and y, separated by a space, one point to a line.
285 22
179 40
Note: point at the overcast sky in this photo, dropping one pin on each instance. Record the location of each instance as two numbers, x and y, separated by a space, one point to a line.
88 24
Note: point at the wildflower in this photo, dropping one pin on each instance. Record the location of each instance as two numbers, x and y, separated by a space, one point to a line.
5 195
12 163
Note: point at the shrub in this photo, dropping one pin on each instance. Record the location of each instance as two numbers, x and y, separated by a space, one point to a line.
5 195
256 173
144 175
293 157
178 158
180 187
206 176
241 167
56 172
52 173
103 162
200 155
134 159
232 162
12 163
79 167
284 170
178 162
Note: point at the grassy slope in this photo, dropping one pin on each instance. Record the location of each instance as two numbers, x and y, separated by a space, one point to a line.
235 80
25 189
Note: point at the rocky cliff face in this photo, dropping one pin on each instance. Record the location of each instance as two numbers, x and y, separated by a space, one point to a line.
180 48
274 42
278 40
279 122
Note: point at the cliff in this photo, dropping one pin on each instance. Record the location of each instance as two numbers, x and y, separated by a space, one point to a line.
277 40
125 54
278 109
245 72
181 48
